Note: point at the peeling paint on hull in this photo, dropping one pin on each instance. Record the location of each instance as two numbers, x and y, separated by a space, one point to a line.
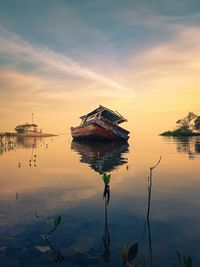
97 130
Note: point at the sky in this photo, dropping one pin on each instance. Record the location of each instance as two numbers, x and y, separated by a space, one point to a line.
60 59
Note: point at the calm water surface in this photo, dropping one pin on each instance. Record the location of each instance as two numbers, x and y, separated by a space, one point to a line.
44 178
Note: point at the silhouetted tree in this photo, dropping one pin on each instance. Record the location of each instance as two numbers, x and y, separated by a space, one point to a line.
19 129
197 124
186 123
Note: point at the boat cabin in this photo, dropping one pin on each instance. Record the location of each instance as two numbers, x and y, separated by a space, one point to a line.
28 128
103 113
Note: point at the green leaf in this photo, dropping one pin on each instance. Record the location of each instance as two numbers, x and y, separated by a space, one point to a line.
106 178
132 252
57 220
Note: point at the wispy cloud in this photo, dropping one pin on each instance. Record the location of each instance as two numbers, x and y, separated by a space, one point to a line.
12 45
174 60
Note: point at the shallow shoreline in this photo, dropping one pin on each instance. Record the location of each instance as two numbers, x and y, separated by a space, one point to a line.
175 134
26 135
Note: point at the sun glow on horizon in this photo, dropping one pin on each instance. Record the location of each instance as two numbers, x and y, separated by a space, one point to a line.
150 81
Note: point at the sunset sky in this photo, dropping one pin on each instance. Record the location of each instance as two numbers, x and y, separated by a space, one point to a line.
61 59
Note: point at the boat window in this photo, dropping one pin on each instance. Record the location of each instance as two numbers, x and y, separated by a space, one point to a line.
110 116
91 117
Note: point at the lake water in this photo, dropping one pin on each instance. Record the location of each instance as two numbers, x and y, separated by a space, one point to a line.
42 179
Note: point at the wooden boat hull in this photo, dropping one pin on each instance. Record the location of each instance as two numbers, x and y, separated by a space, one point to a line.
98 130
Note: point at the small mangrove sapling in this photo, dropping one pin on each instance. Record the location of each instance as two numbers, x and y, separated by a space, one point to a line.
57 222
106 193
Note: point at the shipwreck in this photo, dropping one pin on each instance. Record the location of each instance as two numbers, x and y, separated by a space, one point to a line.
101 124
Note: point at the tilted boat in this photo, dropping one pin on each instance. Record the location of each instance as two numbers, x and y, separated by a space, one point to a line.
101 123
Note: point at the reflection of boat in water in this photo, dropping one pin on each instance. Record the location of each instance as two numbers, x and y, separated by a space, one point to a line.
31 142
102 157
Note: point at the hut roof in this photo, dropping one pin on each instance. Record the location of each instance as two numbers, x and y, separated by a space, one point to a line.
114 116
29 125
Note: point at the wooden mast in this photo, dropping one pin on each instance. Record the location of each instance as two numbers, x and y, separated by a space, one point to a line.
32 118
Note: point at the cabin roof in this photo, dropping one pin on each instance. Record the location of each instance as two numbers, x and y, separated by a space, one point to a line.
114 116
29 125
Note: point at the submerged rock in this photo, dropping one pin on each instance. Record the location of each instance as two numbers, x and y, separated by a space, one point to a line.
43 249
83 244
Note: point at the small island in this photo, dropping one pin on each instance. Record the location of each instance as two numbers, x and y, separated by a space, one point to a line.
186 127
27 130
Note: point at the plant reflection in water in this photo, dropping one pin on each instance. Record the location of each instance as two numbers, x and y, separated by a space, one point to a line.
12 143
130 253
106 236
150 181
7 144
54 253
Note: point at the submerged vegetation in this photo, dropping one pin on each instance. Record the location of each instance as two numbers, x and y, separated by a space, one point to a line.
184 260
187 126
